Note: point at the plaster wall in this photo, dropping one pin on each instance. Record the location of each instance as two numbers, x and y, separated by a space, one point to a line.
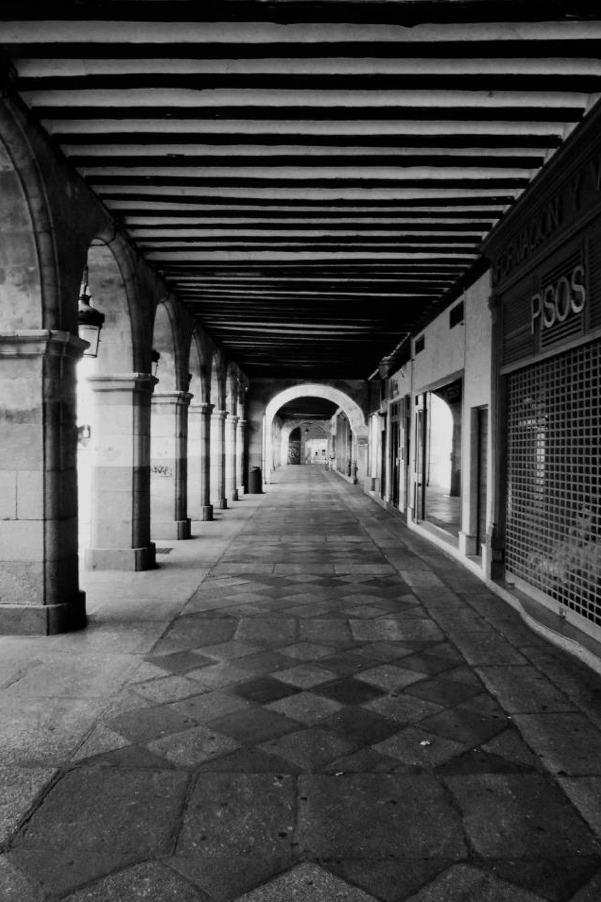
462 351
443 354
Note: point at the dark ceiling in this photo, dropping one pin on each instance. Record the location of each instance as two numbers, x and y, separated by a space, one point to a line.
308 409
311 178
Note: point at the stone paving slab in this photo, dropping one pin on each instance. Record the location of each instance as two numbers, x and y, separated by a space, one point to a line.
408 817
330 711
132 812
520 816
19 789
239 814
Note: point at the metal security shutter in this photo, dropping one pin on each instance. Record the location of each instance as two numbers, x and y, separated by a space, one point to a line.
554 473
573 326
518 338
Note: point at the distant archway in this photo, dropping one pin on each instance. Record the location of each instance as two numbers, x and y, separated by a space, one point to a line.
352 410
289 428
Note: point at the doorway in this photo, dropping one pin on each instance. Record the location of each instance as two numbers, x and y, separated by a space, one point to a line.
395 454
438 457
294 447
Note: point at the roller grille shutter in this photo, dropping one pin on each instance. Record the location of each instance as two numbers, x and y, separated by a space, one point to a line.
554 474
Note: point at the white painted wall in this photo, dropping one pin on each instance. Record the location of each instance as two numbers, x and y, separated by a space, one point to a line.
466 349
444 352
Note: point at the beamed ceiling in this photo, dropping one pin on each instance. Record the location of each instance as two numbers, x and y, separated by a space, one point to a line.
311 178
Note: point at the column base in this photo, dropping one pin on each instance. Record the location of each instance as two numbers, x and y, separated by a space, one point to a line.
221 504
206 512
240 490
121 558
172 529
467 543
184 528
234 494
43 619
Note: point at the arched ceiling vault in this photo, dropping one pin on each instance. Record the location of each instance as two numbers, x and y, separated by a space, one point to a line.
310 177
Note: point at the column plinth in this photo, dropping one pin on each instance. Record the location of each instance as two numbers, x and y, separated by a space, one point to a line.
231 435
169 465
39 580
218 495
120 527
240 437
199 462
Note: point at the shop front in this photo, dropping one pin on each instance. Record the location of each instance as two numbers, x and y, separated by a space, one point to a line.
547 312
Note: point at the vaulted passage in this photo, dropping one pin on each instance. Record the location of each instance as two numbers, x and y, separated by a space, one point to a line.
362 236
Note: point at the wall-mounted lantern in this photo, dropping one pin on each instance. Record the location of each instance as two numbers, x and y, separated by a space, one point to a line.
155 357
89 320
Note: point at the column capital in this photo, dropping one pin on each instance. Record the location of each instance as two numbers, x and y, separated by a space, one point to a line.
176 398
41 343
205 409
140 382
234 420
219 414
242 421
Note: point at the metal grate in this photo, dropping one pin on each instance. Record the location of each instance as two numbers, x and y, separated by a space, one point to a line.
518 339
554 478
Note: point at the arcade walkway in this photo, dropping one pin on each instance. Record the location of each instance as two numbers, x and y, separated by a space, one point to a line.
305 703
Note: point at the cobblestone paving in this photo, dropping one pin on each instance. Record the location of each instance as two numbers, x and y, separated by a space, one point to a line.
338 712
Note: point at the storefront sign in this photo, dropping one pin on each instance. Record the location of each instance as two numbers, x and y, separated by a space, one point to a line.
569 200
532 236
558 300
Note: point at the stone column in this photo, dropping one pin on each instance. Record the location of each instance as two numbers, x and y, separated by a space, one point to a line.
39 586
120 529
231 435
241 434
169 465
218 495
199 462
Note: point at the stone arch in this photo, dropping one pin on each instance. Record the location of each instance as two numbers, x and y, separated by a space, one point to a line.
200 367
164 341
231 390
30 270
112 289
218 380
315 390
242 393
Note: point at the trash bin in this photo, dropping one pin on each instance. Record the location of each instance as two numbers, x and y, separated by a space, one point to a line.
255 482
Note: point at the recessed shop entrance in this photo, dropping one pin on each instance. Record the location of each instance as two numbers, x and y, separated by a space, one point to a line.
438 457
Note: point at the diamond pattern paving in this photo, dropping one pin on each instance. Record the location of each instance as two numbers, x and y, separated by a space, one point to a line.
309 730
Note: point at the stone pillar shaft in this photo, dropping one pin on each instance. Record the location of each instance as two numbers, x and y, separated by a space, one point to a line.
231 435
39 588
199 462
241 435
218 495
120 533
169 465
